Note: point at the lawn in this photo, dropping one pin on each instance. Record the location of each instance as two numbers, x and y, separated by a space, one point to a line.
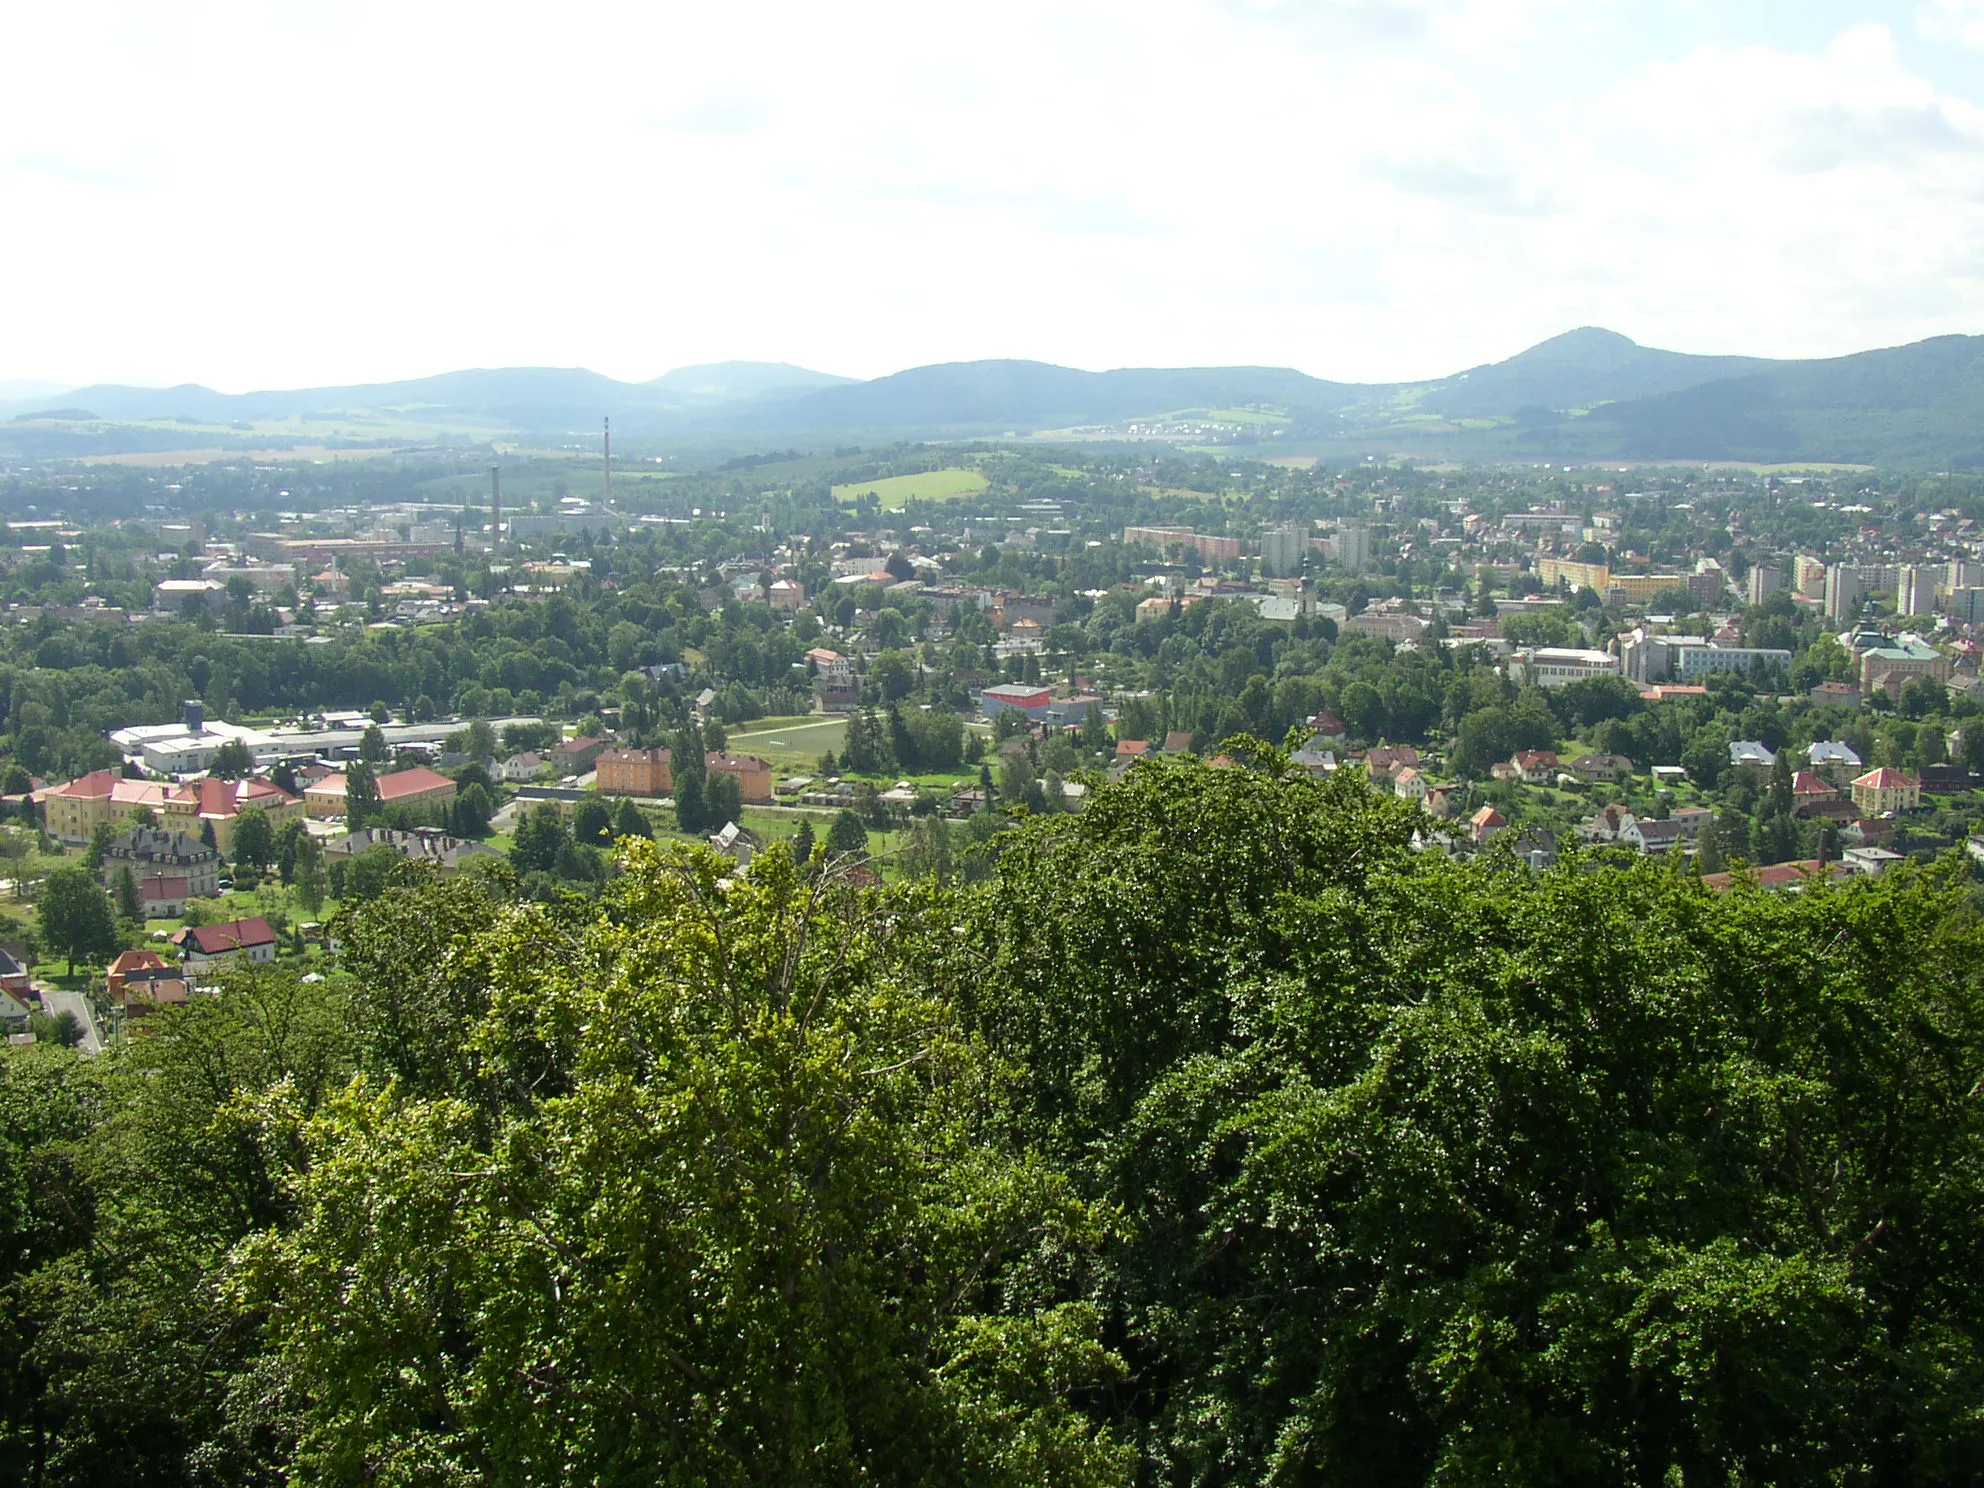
792 747
896 491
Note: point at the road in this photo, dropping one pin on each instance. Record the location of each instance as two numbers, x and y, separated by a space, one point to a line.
55 1004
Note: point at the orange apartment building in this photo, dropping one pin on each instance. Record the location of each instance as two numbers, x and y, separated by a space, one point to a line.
633 772
754 775
649 772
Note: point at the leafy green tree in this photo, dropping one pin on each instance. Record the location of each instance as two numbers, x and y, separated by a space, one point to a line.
101 836
849 1331
848 834
592 822
361 795
723 800
539 835
368 872
308 875
254 839
75 917
628 820
129 905
232 761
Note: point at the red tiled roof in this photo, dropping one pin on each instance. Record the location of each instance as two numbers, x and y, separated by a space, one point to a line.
215 940
1887 778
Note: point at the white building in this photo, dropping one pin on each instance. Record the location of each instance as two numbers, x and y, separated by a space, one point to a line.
1557 666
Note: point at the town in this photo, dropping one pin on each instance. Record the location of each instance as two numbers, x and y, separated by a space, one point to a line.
239 708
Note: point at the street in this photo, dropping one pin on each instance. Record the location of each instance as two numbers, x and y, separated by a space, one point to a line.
55 1004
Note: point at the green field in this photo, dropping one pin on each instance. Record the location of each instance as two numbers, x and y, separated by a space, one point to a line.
897 491
792 746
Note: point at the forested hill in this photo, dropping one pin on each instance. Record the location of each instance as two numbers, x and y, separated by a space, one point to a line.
1218 1138
1587 394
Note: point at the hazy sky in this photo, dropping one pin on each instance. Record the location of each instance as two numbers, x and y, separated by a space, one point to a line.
280 195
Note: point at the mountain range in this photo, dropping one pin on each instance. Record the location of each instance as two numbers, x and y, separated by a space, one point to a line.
1587 394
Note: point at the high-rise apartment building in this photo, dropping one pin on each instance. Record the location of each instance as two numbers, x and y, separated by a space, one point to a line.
1353 546
1809 577
1282 549
1764 582
1915 594
1843 593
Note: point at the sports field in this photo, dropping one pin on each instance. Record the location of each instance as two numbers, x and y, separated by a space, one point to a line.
897 491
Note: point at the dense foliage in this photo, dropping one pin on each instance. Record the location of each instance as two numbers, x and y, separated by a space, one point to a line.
1214 1138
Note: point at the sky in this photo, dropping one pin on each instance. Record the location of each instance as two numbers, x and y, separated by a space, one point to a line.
263 196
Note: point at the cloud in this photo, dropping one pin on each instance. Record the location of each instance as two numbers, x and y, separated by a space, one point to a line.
1363 188
1960 21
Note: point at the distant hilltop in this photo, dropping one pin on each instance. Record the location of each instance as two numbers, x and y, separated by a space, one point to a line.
1589 394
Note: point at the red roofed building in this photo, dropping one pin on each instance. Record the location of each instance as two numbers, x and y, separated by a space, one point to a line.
139 981
1790 877
415 787
73 810
1808 789
1132 748
235 940
1887 789
1485 823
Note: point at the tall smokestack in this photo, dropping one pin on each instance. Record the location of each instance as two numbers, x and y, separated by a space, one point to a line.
495 506
607 498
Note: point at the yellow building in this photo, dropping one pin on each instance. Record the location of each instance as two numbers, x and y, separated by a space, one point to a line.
1592 576
1880 791
72 811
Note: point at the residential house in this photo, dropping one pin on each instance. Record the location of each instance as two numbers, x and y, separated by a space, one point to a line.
437 849
833 679
1387 760
1693 821
13 972
1318 762
1786 877
139 981
1329 728
1837 695
1834 761
520 767
576 756
1409 784
1887 789
157 852
1132 749
1809 791
634 772
1605 824
1485 823
1178 741
1651 837
1538 847
1749 754
1596 767
418 786
235 940
1872 861
735 843
1533 766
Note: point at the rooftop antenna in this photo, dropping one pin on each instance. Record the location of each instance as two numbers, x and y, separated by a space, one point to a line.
607 499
